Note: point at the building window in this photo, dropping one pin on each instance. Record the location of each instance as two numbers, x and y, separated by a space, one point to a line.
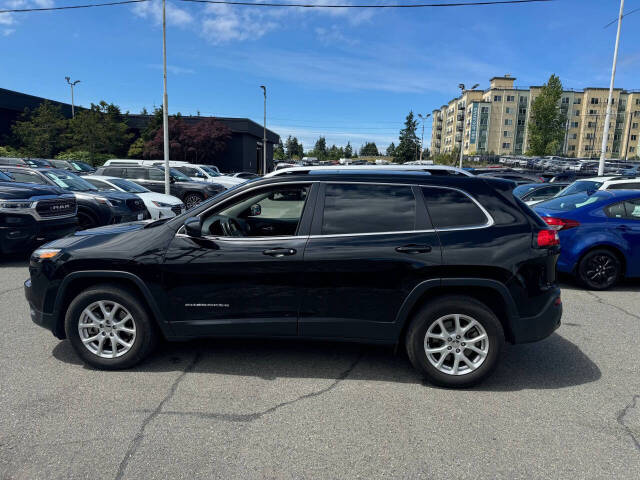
572 148
634 137
484 110
507 110
523 99
632 149
577 101
594 101
521 122
574 136
565 100
511 98
522 111
634 125
506 145
574 124
497 98
576 113
505 133
508 121
591 124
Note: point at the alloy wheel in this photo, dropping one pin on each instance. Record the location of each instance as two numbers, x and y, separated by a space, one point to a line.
192 200
456 344
107 329
601 270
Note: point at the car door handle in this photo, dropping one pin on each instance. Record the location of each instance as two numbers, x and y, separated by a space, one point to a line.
280 252
414 249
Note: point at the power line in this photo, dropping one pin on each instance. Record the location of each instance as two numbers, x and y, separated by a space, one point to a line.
281 5
70 7
625 15
410 5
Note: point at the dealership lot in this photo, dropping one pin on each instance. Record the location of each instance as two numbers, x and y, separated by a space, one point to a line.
568 406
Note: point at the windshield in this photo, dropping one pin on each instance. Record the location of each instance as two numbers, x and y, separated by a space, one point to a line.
177 174
5 178
570 202
580 186
210 171
69 181
522 190
82 167
128 186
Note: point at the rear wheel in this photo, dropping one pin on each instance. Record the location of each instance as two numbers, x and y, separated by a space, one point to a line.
454 341
109 328
192 199
599 269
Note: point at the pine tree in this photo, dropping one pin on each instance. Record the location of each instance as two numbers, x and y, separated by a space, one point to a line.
547 124
409 143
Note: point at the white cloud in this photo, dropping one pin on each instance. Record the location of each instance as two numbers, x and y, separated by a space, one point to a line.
13 19
176 70
153 10
308 137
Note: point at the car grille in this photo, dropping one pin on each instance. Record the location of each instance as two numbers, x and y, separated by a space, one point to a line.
177 209
135 204
56 208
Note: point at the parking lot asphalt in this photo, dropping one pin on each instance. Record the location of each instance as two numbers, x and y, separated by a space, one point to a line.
567 407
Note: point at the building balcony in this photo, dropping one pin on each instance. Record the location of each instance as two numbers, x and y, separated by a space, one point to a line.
460 117
459 128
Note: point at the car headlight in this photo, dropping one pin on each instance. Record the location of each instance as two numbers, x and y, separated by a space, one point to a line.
104 201
42 253
161 204
15 205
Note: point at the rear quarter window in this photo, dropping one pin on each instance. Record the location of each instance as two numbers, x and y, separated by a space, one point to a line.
453 209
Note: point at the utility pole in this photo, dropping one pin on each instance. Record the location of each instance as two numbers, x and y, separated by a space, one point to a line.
424 119
72 84
165 103
607 119
264 133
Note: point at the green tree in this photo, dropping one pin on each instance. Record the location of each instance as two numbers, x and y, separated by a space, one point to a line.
41 132
155 124
136 149
320 149
391 150
278 151
100 129
294 149
547 124
369 150
409 145
348 150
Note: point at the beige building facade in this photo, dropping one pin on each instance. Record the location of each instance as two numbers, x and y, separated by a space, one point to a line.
496 121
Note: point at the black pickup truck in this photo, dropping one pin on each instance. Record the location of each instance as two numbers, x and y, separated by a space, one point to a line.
32 214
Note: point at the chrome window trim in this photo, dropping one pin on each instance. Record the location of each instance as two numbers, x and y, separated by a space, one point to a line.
490 221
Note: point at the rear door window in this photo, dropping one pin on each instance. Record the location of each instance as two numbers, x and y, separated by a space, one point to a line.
156 174
624 186
368 208
453 209
114 172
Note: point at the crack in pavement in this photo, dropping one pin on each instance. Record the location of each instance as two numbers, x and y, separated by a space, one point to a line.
623 413
250 417
601 300
137 439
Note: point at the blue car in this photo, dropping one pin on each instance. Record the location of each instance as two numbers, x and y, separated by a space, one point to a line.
599 235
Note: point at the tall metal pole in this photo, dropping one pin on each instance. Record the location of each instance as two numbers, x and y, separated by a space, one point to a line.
165 103
422 140
264 133
72 84
607 119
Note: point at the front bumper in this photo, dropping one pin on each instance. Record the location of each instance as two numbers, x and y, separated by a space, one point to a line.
540 326
45 320
24 236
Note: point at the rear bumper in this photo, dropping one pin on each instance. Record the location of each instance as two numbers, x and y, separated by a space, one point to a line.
540 326
44 320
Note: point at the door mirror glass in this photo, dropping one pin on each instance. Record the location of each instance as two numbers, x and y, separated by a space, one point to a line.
192 227
255 210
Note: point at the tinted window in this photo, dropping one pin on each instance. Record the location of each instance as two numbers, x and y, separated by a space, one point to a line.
624 186
155 174
28 177
351 208
570 202
100 185
4 177
580 186
114 172
616 210
629 209
452 209
69 181
138 173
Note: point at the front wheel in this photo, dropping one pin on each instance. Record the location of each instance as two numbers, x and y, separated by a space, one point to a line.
599 269
192 199
109 328
454 341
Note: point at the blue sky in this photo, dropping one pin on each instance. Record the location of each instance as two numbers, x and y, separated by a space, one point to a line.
351 75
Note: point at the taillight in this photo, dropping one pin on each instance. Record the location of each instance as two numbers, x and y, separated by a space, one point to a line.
560 223
547 238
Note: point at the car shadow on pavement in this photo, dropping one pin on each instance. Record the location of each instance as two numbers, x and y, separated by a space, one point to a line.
550 364
15 259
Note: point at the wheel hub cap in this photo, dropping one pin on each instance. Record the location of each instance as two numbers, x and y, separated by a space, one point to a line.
107 329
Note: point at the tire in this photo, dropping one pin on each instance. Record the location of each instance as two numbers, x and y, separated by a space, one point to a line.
141 341
599 269
442 312
86 220
192 199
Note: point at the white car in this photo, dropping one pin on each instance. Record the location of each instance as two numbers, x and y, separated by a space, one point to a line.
158 204
601 183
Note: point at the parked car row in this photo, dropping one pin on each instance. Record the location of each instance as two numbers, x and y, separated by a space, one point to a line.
76 166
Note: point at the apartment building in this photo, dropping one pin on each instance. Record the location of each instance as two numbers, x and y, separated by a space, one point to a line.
496 121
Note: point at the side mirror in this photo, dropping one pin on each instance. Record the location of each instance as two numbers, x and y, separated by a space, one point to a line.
172 180
255 210
193 227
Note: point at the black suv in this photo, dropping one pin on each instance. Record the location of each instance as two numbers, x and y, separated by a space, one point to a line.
449 267
31 214
95 208
189 191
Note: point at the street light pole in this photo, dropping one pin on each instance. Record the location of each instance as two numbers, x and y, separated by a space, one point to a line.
607 118
264 133
72 84
424 119
165 103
